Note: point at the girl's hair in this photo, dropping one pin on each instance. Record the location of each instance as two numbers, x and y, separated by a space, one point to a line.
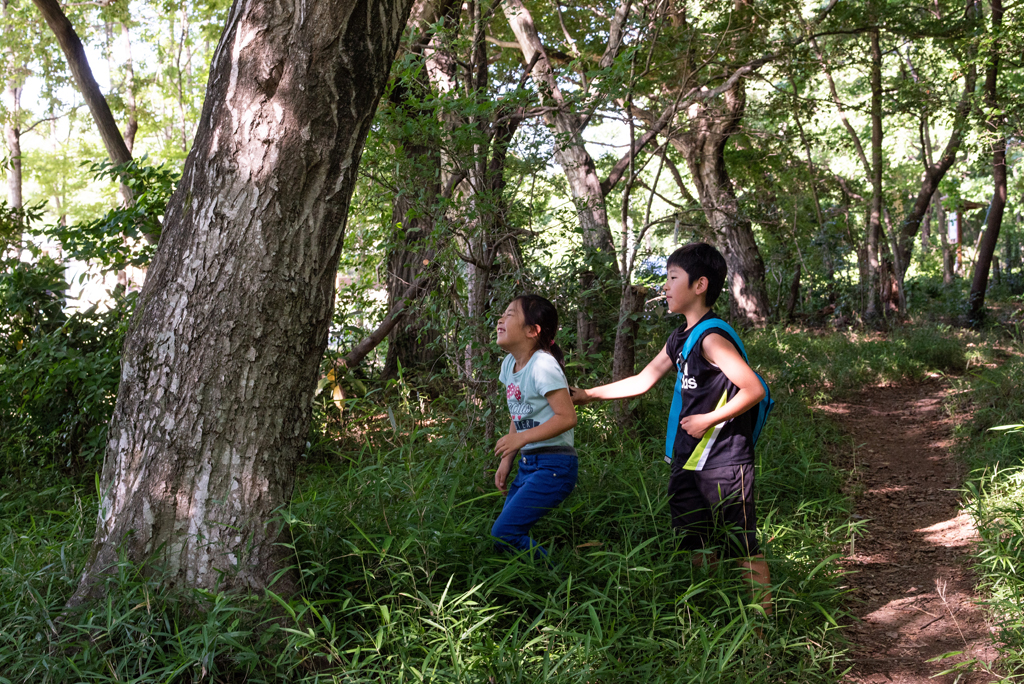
539 311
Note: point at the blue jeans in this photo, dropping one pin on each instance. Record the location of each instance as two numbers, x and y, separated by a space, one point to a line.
543 482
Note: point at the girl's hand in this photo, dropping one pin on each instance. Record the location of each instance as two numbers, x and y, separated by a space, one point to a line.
508 446
501 475
697 425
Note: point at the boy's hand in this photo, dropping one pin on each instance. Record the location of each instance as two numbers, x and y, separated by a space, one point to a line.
579 396
501 475
696 425
508 446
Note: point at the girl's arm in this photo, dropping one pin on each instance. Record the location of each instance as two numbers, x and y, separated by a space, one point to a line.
723 354
501 474
629 387
563 420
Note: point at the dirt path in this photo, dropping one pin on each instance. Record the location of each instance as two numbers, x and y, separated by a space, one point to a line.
912 591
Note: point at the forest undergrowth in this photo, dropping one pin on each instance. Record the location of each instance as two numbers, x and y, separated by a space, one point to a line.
397 579
992 445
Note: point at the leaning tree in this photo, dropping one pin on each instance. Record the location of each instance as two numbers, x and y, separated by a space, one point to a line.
221 360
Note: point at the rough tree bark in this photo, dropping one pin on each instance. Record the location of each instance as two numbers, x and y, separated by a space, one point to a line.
987 245
711 124
222 358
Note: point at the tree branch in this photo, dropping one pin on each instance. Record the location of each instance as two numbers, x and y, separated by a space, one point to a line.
370 342
615 175
615 34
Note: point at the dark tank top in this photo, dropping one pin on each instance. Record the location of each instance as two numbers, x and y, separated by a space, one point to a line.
705 388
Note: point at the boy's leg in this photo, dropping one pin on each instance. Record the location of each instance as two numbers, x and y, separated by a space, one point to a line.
691 516
756 571
543 482
731 492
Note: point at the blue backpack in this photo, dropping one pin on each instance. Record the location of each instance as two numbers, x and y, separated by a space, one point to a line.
763 408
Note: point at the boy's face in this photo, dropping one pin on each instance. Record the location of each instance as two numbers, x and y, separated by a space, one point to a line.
679 293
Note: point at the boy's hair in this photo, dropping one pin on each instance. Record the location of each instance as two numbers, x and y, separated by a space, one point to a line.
701 260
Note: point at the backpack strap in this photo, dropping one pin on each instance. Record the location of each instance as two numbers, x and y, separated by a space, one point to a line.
677 394
718 324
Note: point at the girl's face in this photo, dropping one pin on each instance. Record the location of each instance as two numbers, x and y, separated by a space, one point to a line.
513 332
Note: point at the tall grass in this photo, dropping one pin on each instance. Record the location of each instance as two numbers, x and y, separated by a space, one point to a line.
397 580
820 366
995 496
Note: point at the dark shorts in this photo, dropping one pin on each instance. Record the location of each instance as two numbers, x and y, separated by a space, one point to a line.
714 506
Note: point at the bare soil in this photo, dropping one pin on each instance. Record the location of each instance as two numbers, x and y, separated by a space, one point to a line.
911 589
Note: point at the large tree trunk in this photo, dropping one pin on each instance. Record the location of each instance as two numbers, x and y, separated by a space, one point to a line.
987 245
712 121
220 364
734 235
703 146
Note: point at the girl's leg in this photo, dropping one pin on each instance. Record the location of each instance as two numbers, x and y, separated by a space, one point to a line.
543 482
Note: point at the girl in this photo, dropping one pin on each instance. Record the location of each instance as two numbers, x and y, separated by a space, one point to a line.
543 419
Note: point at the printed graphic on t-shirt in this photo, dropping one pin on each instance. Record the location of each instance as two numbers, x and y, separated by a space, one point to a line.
519 408
689 382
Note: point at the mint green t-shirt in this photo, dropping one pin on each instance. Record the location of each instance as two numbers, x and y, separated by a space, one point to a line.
525 392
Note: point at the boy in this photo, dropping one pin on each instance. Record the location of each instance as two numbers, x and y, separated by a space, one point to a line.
712 475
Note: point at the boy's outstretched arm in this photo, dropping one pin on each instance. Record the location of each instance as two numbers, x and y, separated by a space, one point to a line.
723 354
629 387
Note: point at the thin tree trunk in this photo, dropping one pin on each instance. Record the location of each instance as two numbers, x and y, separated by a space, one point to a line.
826 251
578 167
794 294
947 254
394 317
987 245
12 124
223 354
934 173
872 310
71 44
418 171
132 126
12 134
624 359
